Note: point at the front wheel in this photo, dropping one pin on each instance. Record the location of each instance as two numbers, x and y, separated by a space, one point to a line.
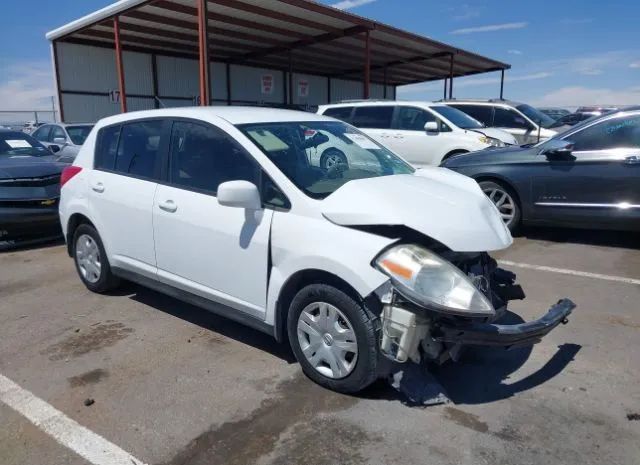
333 338
331 158
505 201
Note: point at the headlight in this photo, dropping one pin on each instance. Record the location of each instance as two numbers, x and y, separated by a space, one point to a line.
426 279
493 142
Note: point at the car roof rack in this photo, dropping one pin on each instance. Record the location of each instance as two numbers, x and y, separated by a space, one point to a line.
367 100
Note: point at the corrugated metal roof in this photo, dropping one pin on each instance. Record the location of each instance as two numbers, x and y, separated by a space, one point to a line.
319 39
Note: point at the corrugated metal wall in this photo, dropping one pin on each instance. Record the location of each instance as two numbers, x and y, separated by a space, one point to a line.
88 75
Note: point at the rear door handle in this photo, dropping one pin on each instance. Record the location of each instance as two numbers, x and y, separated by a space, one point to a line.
632 160
168 206
98 187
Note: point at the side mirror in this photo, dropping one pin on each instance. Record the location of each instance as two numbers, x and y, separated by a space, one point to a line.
54 148
432 126
239 194
59 140
557 149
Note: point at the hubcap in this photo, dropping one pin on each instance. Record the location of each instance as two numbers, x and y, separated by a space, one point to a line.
333 160
503 201
88 258
327 340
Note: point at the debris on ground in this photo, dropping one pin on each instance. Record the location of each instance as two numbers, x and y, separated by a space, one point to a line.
418 385
89 402
633 416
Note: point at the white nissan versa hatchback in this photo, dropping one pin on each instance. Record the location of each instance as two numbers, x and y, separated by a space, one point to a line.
222 208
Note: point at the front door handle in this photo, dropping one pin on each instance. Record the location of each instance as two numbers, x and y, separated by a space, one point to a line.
168 206
98 187
632 160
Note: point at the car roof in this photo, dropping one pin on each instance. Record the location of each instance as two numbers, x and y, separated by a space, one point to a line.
510 103
234 115
370 103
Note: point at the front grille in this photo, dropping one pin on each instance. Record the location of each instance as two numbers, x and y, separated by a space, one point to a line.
31 182
31 203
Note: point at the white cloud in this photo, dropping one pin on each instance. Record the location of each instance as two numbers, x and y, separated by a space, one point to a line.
26 86
514 52
490 28
635 64
591 65
578 95
348 4
471 82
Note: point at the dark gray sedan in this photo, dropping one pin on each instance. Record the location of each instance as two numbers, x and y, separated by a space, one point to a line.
588 176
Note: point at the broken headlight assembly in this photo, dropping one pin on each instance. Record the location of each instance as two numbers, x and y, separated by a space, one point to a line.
431 282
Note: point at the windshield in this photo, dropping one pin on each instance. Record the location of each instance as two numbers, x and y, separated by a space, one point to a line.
457 117
19 143
321 156
78 134
536 116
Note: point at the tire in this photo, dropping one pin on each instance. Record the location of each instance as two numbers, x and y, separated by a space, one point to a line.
507 202
355 371
87 251
331 158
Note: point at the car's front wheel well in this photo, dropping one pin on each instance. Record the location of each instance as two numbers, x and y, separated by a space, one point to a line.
298 281
74 222
454 152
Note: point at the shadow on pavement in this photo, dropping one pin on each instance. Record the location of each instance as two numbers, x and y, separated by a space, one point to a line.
619 239
40 243
207 320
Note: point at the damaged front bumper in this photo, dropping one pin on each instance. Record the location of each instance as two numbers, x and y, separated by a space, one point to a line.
491 334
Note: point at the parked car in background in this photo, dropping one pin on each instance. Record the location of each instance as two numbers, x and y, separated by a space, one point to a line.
597 109
423 133
29 188
31 126
554 113
220 207
588 176
527 124
64 140
572 119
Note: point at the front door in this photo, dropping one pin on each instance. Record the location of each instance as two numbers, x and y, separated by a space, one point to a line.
217 252
515 124
122 188
600 182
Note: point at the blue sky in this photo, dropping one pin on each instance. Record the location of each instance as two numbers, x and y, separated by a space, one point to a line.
563 52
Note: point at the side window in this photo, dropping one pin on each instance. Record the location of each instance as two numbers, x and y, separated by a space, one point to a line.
482 113
42 134
203 157
373 117
138 149
611 134
58 133
413 119
107 148
505 118
341 113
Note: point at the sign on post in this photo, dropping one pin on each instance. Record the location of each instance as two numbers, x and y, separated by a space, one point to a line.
267 84
114 96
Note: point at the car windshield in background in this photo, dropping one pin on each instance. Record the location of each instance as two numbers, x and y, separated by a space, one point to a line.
78 134
20 144
457 117
320 157
536 115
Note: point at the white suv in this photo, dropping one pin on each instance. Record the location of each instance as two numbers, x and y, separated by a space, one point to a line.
221 207
423 133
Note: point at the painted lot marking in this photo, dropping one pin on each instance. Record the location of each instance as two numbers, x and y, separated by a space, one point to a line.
584 274
64 430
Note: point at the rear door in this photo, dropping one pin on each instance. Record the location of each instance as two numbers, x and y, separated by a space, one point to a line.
376 121
128 165
217 252
601 181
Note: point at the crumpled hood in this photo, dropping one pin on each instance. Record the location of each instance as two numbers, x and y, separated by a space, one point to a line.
437 202
28 167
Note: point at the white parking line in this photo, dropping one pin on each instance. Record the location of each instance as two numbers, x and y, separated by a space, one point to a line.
584 274
63 429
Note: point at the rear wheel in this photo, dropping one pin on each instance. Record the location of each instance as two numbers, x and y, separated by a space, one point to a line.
333 338
91 260
505 200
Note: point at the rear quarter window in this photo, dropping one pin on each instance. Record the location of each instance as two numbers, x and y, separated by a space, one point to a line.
107 148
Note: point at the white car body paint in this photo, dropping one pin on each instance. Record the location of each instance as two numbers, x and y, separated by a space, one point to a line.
202 250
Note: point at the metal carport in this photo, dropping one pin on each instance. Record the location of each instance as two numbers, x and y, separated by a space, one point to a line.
355 57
